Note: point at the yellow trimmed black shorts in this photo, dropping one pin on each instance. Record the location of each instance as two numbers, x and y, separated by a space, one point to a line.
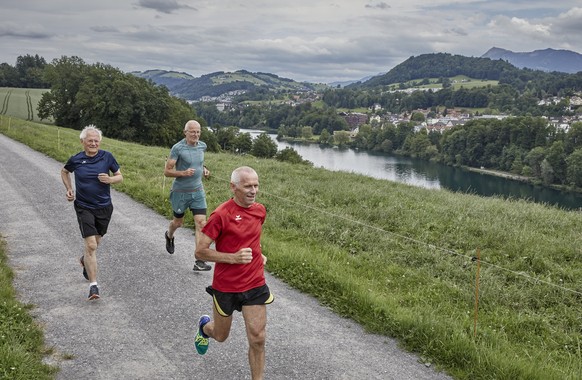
227 303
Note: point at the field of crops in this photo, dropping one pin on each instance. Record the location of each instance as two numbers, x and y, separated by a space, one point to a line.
20 102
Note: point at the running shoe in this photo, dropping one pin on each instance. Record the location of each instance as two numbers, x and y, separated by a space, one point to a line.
201 266
82 261
201 341
169 244
93 293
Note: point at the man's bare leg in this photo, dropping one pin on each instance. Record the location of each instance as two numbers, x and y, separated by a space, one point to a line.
255 317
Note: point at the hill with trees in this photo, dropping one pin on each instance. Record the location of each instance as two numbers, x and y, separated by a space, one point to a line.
440 65
218 83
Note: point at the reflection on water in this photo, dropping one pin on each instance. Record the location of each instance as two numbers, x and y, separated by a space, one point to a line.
426 174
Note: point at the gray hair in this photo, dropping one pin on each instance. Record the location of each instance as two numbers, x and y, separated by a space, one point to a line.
191 122
235 176
88 128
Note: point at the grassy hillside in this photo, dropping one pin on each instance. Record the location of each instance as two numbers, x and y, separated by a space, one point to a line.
457 82
20 102
484 288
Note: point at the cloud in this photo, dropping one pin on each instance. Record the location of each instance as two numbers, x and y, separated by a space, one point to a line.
164 6
381 5
104 29
10 29
569 23
307 40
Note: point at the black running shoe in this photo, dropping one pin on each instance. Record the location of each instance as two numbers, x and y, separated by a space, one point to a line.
169 244
201 266
93 293
82 261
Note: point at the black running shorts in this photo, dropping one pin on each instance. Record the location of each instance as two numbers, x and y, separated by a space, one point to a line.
227 303
93 222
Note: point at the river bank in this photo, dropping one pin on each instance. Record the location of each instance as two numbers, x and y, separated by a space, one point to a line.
521 178
501 174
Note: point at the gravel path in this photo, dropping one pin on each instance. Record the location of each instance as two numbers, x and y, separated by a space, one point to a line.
143 326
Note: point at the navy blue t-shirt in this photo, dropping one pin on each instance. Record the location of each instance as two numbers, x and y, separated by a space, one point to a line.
90 192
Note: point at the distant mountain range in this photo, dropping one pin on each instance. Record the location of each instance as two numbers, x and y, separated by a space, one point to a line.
491 65
215 84
348 82
565 61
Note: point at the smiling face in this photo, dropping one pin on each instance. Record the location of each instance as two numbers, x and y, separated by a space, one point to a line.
91 143
192 132
246 189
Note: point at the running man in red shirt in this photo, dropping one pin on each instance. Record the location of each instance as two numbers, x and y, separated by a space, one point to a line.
239 275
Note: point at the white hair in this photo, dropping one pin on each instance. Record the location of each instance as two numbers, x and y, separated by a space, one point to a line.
191 122
88 128
235 176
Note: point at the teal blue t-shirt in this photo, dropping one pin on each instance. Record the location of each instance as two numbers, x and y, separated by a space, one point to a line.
188 156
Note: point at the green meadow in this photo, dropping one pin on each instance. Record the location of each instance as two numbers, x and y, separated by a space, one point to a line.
21 103
482 288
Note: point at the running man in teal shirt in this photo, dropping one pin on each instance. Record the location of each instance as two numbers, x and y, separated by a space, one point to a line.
186 165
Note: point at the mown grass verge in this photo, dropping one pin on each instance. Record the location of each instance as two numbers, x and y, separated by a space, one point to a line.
401 260
21 339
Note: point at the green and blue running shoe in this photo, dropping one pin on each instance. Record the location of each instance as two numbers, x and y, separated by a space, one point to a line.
201 341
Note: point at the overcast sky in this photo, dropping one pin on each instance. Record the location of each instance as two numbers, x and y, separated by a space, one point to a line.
304 40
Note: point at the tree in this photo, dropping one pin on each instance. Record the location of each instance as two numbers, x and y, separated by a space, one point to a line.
417 116
290 155
65 76
386 146
534 160
547 172
324 137
573 139
417 144
30 71
226 137
306 132
243 143
264 146
574 168
8 76
556 157
341 138
209 138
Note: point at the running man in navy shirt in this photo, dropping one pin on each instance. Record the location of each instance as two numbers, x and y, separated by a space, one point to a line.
92 168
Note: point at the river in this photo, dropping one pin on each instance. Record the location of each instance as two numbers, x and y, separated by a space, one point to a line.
426 174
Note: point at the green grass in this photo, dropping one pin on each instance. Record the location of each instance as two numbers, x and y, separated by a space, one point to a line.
399 260
457 82
21 339
21 103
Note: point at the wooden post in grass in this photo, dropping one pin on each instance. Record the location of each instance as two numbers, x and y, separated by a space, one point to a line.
477 292
58 138
164 177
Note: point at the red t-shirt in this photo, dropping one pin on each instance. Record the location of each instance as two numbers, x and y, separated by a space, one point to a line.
233 227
